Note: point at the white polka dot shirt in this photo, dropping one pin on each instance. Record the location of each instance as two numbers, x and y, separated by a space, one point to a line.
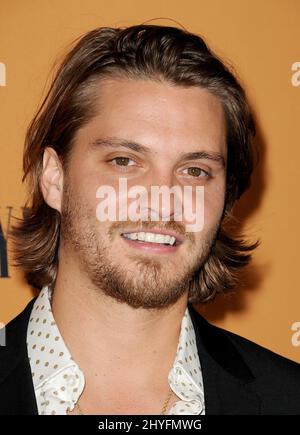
58 381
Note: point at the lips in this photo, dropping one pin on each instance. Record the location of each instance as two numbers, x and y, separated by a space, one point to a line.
150 248
179 238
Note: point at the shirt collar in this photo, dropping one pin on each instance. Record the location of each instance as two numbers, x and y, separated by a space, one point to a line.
185 377
58 377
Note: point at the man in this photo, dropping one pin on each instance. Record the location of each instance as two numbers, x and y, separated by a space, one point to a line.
113 330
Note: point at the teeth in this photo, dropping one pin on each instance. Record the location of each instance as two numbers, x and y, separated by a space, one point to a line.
148 237
141 236
151 237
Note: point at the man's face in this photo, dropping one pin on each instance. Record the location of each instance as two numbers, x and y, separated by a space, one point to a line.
169 123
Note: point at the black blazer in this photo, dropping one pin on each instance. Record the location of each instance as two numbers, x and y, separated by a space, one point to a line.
239 376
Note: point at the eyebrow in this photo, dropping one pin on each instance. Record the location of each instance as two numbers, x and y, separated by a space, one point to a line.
113 142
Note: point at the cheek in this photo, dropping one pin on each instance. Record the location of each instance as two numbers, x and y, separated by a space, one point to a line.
213 207
214 197
85 182
207 209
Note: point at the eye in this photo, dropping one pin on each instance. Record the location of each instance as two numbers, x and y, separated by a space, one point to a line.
196 172
122 161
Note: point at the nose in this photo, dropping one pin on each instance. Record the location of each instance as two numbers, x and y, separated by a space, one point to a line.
164 196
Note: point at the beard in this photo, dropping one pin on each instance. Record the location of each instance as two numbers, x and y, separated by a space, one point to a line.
149 282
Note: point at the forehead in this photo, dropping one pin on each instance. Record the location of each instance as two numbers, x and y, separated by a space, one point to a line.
157 114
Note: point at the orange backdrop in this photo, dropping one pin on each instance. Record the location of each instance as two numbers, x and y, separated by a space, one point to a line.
262 41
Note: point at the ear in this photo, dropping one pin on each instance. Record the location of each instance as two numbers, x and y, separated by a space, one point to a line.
52 179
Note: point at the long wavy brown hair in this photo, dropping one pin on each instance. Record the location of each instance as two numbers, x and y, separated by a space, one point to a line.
163 53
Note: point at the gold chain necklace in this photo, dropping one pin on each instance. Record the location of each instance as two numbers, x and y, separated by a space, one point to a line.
164 408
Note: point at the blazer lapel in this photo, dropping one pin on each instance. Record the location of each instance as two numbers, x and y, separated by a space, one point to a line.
228 382
16 387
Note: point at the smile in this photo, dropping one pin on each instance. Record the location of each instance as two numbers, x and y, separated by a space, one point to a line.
152 241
